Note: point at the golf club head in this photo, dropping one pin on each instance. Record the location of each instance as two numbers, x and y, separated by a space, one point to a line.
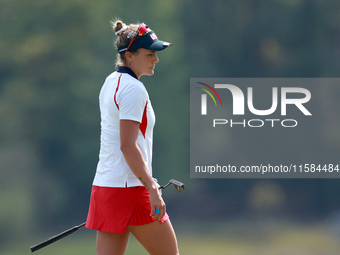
178 185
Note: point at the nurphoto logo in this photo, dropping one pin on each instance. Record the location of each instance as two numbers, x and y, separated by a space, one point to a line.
238 104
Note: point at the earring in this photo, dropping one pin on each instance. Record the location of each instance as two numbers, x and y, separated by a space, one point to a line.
130 63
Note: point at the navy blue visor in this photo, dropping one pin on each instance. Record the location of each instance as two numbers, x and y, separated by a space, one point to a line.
147 41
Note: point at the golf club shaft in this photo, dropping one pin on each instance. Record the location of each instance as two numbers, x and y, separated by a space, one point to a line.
62 235
55 238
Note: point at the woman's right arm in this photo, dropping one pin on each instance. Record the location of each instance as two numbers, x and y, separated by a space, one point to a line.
128 139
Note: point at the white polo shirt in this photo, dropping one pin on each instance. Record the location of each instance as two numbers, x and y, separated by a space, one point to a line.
122 97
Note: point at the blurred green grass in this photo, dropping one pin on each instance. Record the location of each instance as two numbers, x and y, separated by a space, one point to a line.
236 238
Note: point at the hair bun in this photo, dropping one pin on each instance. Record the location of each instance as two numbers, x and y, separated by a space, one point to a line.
118 27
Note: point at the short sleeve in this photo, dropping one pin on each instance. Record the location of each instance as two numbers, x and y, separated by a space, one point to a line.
132 101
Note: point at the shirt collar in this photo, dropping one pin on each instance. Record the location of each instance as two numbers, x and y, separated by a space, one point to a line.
125 69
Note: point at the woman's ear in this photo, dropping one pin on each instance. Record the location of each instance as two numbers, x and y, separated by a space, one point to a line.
128 56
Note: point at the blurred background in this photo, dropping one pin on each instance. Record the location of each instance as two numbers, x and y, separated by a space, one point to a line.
56 54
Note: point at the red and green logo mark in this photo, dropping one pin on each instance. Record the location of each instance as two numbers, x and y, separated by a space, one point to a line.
204 97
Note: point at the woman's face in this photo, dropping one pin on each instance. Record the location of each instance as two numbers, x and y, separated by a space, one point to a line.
143 62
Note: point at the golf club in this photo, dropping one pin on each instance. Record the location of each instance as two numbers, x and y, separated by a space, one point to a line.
178 185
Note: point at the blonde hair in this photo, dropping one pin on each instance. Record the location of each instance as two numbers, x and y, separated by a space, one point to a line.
124 36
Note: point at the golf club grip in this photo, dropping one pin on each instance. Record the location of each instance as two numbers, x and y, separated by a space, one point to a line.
55 238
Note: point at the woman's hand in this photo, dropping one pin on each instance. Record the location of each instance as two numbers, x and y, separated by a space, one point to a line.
157 202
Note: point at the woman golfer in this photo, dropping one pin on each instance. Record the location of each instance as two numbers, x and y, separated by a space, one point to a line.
125 199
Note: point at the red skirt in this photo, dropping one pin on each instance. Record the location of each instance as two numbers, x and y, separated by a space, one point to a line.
113 209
